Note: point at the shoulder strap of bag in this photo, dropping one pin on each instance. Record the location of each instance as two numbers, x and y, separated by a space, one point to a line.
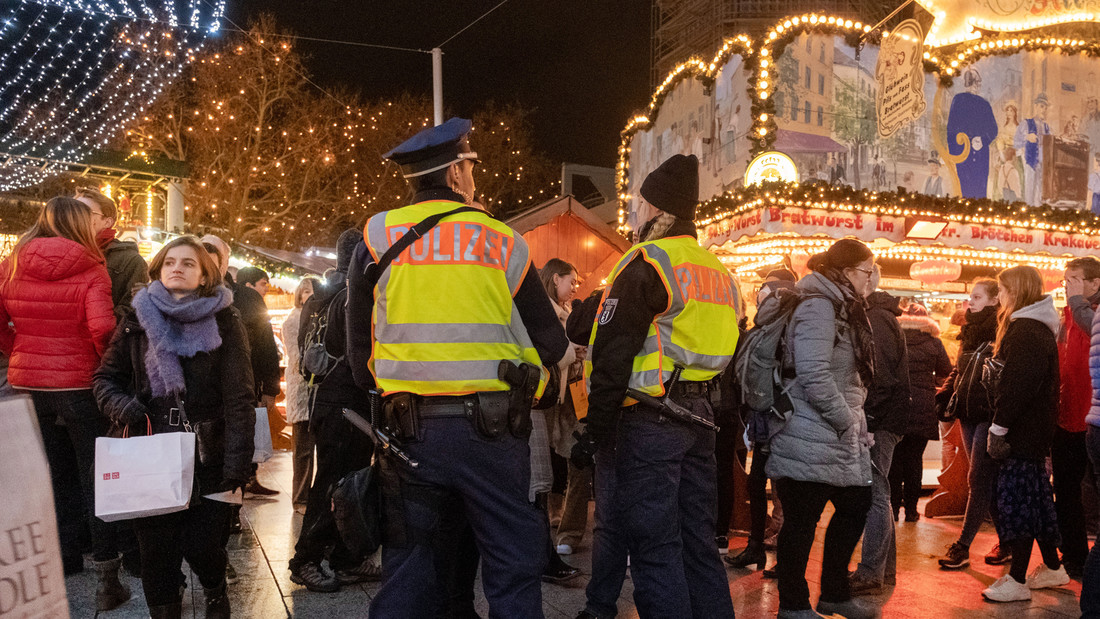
375 269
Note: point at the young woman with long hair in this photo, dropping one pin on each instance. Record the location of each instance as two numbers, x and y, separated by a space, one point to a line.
56 318
1025 411
182 355
965 398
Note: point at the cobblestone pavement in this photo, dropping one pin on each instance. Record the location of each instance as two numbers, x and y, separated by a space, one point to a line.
260 556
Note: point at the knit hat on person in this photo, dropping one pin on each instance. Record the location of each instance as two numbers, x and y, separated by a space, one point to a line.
345 247
674 186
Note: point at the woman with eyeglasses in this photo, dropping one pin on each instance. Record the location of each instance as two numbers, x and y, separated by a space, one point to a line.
821 454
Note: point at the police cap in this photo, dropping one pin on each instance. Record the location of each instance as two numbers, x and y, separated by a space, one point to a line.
434 148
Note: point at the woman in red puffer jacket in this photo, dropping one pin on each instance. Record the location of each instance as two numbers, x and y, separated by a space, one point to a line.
56 318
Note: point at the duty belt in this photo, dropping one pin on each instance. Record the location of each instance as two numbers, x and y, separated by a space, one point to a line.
691 388
430 407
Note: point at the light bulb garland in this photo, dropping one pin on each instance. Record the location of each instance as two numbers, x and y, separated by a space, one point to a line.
73 73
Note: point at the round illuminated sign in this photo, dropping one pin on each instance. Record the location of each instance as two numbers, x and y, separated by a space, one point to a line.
771 166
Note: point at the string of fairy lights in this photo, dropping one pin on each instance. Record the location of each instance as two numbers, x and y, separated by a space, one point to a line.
947 62
74 72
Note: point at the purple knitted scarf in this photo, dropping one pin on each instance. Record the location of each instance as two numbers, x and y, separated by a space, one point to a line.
176 328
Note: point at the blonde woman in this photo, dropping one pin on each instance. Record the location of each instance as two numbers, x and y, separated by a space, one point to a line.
298 396
1025 401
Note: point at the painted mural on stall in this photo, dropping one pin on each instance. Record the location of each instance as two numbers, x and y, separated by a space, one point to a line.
1023 127
712 125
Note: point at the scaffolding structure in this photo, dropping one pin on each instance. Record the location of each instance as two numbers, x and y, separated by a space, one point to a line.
682 28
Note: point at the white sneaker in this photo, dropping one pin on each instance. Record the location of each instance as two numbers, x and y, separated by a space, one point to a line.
1042 577
565 549
1007 589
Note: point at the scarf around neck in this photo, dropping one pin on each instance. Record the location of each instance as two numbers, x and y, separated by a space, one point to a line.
863 341
176 328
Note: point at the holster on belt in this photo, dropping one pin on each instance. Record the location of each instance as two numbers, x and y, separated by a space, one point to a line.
524 382
401 418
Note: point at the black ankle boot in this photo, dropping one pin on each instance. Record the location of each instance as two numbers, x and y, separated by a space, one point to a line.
753 554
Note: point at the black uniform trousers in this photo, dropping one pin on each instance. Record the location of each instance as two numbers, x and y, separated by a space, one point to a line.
666 499
462 478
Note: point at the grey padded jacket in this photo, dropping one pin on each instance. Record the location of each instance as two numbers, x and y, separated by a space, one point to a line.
826 438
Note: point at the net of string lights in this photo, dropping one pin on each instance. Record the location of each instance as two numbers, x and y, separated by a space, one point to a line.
74 72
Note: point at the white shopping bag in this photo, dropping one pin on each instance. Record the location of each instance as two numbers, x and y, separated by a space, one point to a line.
262 442
32 580
143 475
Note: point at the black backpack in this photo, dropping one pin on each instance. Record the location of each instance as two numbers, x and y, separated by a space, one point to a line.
316 362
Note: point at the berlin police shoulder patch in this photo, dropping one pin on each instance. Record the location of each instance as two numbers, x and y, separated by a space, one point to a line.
608 310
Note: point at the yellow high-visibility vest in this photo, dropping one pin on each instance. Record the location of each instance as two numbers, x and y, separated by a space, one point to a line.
444 316
698 329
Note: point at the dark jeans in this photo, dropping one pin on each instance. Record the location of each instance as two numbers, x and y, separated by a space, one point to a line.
1090 582
194 534
341 449
758 495
1069 461
906 473
666 497
70 450
981 478
803 503
609 546
489 479
725 453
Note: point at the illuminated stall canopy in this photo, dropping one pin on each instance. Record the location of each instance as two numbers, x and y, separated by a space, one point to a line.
975 147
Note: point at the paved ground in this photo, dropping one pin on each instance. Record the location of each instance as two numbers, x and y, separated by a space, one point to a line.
265 590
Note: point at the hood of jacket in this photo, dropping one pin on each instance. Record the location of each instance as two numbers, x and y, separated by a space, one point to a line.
117 246
1043 311
923 324
880 299
819 284
55 258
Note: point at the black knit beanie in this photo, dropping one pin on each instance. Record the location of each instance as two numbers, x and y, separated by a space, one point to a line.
674 186
845 254
345 247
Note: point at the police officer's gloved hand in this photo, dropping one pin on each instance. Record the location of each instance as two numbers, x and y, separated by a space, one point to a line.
584 450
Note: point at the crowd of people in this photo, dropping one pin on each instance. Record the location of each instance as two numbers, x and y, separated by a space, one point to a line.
512 392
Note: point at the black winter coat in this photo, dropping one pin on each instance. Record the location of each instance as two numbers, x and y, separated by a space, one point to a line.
973 403
1026 401
929 365
128 270
261 340
887 405
219 390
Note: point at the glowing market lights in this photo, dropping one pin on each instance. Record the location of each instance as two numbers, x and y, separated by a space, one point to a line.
74 72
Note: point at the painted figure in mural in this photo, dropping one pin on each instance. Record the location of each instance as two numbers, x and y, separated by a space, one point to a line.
1090 125
1027 137
972 116
933 185
1008 177
1094 185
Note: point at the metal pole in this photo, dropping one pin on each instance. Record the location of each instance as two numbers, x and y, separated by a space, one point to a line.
437 84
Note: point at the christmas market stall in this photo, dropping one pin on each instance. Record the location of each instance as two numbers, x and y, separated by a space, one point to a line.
955 146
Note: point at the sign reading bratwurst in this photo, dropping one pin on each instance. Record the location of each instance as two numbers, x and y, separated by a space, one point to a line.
869 227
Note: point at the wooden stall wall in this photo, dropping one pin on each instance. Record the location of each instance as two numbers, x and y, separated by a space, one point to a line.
569 238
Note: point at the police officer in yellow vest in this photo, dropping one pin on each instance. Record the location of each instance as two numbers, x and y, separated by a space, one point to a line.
669 304
446 312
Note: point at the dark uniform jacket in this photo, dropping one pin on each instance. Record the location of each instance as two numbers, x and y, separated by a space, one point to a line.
127 270
219 390
261 339
534 307
641 296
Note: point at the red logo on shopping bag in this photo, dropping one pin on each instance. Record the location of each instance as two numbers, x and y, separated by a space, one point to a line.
107 476
114 475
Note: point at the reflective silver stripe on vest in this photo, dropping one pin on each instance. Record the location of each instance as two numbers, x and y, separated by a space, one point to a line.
430 333
694 359
437 370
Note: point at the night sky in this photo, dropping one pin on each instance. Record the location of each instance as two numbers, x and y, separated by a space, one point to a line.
581 65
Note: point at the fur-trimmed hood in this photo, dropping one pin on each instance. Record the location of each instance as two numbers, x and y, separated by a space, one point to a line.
919 323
